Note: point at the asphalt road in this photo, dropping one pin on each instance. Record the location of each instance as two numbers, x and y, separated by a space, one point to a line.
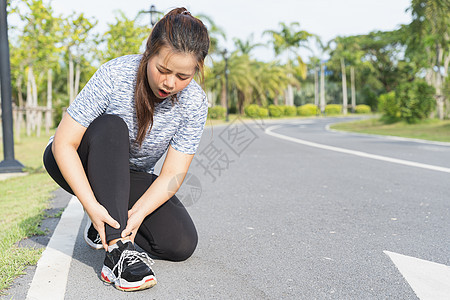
281 220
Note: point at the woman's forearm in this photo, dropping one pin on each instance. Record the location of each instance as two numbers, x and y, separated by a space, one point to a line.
161 190
173 172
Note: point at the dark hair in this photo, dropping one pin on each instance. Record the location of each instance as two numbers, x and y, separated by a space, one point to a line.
182 33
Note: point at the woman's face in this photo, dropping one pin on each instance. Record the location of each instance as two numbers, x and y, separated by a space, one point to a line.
169 72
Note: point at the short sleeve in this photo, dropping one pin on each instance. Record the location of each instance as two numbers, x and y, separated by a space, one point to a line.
93 100
188 135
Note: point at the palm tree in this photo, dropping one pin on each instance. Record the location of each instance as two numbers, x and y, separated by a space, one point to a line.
213 81
347 52
214 33
430 36
245 47
317 63
272 81
240 77
77 30
289 40
314 63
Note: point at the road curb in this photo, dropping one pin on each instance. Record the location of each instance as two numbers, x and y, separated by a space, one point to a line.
50 278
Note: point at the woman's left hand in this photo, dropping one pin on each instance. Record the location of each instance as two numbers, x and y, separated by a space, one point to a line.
135 220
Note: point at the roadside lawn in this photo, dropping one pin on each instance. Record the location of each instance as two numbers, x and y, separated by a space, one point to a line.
431 129
22 203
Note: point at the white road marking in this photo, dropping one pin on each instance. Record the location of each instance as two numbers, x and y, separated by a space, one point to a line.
429 280
354 152
50 279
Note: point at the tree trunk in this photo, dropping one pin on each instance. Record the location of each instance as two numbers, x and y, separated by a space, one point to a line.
439 97
344 87
71 87
289 96
19 90
429 80
444 79
322 88
289 92
19 108
34 112
241 101
352 79
48 112
77 80
29 103
211 98
316 86
17 123
259 101
275 100
434 79
439 82
223 97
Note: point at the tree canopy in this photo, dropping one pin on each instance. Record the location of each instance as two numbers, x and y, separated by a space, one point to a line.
378 62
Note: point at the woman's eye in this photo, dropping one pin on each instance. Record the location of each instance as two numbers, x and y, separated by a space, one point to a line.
183 78
162 71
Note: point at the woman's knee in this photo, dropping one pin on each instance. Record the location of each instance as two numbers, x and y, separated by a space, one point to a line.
107 128
178 247
183 250
53 170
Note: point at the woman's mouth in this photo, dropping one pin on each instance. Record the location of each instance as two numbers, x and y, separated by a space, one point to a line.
163 93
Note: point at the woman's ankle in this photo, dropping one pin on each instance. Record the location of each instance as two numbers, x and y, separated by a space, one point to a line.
112 242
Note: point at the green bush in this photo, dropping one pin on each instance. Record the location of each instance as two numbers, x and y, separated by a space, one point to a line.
252 111
263 112
333 109
415 100
307 110
388 106
362 109
59 106
275 111
216 112
411 102
290 111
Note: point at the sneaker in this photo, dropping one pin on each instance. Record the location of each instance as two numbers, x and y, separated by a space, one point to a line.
127 268
91 236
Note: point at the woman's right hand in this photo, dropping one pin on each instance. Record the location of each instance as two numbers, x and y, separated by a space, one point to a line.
99 216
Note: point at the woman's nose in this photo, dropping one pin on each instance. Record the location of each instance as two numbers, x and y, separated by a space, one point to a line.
169 82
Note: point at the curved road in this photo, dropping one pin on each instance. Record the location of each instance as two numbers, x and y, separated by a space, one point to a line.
281 218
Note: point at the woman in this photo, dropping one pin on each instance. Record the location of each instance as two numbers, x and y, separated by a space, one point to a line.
131 111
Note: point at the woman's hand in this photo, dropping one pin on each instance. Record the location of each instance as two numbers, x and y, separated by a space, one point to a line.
99 216
135 219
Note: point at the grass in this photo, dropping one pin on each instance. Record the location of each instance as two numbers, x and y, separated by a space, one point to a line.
431 129
22 203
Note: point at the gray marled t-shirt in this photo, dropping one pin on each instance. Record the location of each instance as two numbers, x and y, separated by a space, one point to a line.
111 91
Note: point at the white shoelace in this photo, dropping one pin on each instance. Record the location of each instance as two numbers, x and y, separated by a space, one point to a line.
132 256
98 240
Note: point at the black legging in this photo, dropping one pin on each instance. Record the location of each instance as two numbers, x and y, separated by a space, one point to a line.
168 232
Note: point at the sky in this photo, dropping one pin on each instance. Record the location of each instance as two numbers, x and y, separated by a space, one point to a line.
241 18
